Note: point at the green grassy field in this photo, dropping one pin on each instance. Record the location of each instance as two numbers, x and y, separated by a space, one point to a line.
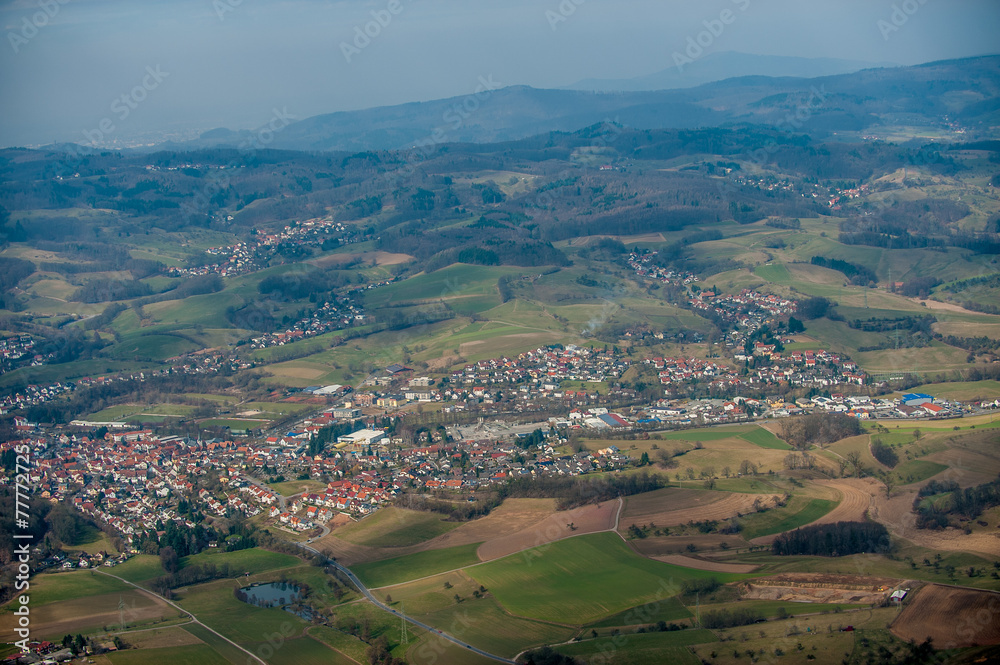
396 527
44 374
236 423
253 560
221 399
799 512
54 587
139 568
765 439
293 487
152 347
186 654
776 273
915 471
347 646
709 434
446 284
299 651
219 645
642 648
482 623
113 413
91 542
663 609
216 606
278 408
582 579
414 566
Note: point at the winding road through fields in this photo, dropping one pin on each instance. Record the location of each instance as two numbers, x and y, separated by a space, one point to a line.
194 619
378 603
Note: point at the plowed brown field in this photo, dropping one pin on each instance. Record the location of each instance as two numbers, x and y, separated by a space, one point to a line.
585 519
953 616
82 614
676 506
701 564
664 546
514 516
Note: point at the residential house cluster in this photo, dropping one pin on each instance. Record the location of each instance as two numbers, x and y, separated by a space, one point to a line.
337 315
643 265
18 350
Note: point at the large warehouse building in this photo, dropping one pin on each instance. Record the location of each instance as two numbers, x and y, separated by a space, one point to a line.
364 437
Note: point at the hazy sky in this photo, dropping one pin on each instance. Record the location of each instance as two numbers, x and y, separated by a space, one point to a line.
230 63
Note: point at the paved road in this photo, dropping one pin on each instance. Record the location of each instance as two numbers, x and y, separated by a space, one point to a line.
378 603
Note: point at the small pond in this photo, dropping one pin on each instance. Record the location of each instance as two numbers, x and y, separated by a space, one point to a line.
276 594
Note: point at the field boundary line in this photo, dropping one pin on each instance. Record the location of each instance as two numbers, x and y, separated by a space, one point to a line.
306 633
194 619
145 630
621 505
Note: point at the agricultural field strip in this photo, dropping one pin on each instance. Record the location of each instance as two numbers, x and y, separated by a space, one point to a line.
194 619
382 606
481 563
330 647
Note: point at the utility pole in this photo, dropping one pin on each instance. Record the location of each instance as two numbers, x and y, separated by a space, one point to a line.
402 620
121 612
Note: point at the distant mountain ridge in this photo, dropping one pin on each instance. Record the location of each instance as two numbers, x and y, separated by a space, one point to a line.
729 64
967 91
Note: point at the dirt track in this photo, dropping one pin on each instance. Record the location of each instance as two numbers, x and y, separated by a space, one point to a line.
585 519
701 564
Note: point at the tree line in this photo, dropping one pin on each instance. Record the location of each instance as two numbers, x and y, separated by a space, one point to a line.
967 504
838 539
819 428
857 274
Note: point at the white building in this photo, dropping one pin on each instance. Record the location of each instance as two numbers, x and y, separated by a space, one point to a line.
364 437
